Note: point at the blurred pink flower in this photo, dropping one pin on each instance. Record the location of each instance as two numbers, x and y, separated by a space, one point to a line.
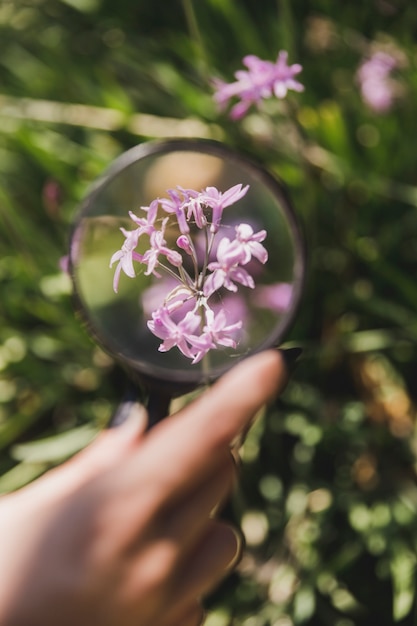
261 80
236 309
276 297
154 296
52 196
375 83
64 264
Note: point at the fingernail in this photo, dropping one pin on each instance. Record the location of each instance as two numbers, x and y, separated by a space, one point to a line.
291 357
136 420
130 421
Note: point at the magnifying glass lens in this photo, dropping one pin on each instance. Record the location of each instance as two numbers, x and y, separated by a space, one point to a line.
229 273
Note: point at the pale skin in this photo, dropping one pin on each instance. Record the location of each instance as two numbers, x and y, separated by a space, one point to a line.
124 534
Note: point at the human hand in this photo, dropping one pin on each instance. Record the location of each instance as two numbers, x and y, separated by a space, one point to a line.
123 534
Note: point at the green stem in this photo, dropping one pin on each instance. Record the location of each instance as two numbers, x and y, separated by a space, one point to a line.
205 367
185 277
194 259
196 36
182 278
209 245
205 361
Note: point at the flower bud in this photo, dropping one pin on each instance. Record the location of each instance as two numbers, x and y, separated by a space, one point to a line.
183 242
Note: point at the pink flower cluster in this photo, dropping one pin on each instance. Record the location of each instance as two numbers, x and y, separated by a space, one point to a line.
375 82
261 80
187 318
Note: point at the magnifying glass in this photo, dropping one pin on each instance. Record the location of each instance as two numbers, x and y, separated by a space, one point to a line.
207 264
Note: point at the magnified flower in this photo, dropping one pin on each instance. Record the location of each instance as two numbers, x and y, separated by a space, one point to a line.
158 246
219 330
218 201
195 209
248 244
261 80
180 335
227 271
126 255
178 203
227 278
183 313
146 224
184 243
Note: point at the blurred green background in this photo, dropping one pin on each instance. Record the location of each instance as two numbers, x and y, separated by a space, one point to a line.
328 498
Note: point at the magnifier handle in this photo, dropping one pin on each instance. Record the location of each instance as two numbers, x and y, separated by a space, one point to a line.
158 407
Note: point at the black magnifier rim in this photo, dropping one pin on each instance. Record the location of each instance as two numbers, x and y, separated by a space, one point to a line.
154 373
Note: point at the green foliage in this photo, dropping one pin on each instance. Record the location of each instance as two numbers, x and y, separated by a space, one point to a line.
328 498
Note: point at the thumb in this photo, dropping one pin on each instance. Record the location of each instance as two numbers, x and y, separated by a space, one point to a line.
107 450
112 444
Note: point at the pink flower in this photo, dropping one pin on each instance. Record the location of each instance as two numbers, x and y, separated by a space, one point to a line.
64 264
276 297
147 225
218 201
195 210
158 246
180 335
177 203
221 333
283 79
227 277
248 244
375 82
216 333
235 307
166 292
183 242
126 255
226 270
262 80
181 315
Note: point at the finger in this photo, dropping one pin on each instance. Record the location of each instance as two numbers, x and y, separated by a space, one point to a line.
212 559
221 413
114 443
187 518
181 452
181 521
182 449
191 616
104 452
